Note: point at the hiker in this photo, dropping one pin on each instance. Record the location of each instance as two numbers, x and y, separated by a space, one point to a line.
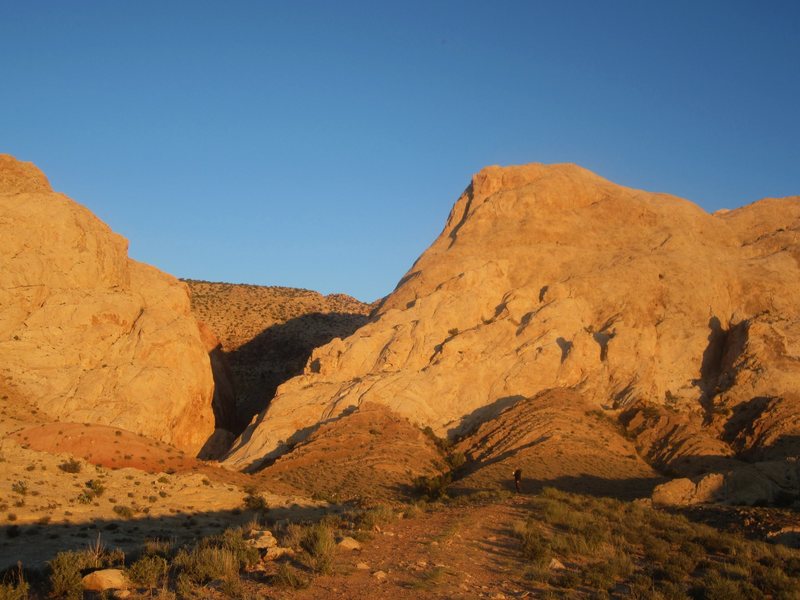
517 479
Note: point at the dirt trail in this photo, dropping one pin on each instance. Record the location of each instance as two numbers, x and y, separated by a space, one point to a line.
453 552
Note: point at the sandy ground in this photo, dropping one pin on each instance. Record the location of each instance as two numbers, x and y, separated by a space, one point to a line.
125 488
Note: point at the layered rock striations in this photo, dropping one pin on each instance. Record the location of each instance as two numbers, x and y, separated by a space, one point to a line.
86 334
550 277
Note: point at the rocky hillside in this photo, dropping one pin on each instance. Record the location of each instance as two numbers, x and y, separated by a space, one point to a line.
86 334
550 277
268 333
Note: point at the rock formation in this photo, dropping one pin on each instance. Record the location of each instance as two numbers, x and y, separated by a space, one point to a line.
266 335
86 334
550 277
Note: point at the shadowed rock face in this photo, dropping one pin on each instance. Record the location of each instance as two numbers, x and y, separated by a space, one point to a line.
266 335
549 277
86 334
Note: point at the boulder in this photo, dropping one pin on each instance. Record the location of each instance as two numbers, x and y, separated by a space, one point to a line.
106 579
262 539
348 543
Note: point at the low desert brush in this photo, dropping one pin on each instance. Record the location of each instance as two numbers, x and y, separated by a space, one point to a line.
319 543
149 571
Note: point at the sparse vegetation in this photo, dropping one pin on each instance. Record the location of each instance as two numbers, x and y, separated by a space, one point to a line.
379 514
289 577
253 500
65 576
651 553
149 571
126 512
14 586
319 544
433 487
72 465
96 487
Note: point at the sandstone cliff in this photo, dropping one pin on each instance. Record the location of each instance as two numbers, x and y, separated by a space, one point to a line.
86 334
549 277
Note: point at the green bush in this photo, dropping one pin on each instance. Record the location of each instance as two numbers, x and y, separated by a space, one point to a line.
65 576
433 487
377 515
320 545
204 564
149 571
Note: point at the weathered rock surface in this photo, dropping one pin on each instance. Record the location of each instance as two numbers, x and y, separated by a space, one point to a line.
86 334
550 277
106 579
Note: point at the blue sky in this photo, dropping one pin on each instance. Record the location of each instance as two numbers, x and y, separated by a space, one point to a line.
322 145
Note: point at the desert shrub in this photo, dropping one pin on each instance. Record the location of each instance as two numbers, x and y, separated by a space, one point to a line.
535 546
71 466
185 588
380 514
126 512
319 544
715 586
433 487
443 444
65 576
148 571
96 487
19 487
234 542
158 547
255 501
14 586
455 460
216 557
289 577
204 564
292 536
774 581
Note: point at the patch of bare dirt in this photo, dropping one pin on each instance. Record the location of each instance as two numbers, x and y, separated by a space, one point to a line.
452 552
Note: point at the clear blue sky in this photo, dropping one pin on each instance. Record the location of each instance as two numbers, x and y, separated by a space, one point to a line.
322 144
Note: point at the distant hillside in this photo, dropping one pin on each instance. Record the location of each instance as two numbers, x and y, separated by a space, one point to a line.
267 333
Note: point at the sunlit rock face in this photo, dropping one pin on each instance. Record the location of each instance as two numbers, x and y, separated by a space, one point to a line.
86 334
553 277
